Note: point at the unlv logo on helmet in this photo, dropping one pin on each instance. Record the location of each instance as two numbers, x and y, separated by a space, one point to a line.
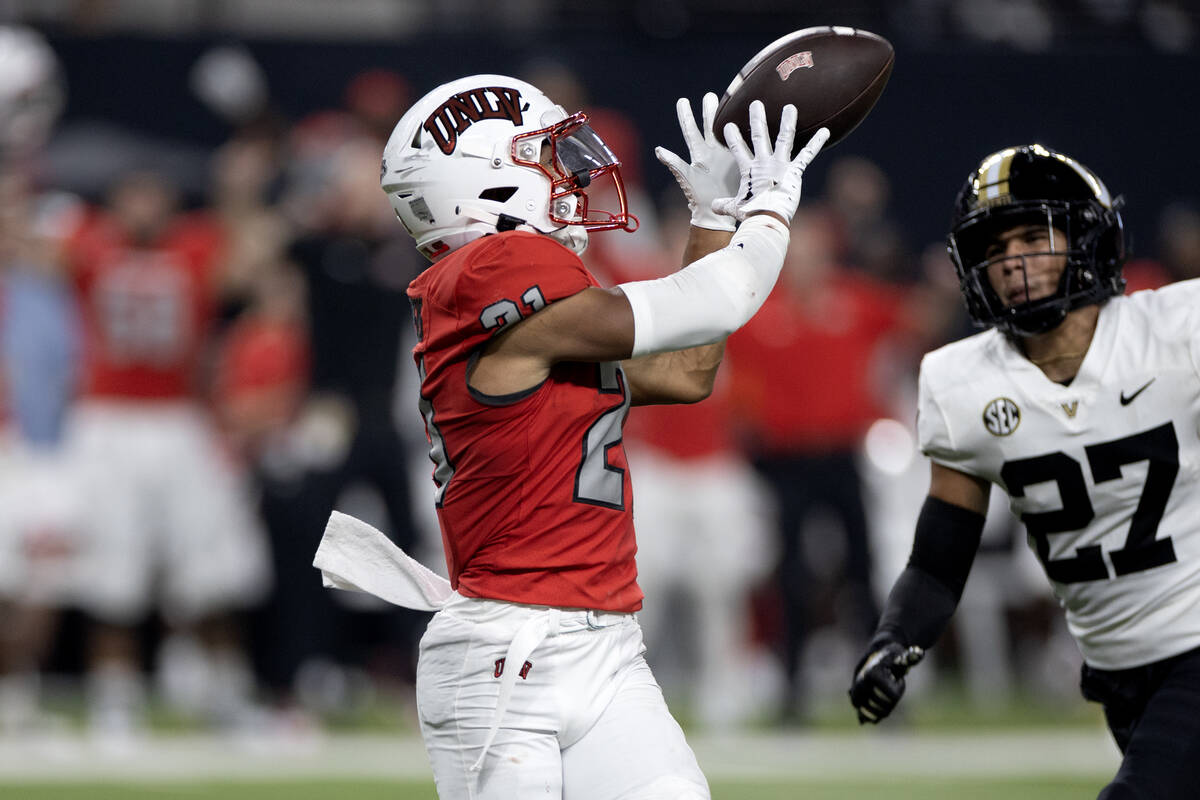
453 176
463 110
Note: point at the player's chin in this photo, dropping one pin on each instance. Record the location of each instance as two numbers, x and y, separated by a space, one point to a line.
1021 296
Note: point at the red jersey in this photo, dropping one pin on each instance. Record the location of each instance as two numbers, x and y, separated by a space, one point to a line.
533 489
805 377
686 432
262 355
147 309
261 376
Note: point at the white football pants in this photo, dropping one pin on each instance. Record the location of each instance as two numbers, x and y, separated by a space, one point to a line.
581 717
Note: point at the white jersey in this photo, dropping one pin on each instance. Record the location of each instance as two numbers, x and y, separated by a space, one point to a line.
1104 473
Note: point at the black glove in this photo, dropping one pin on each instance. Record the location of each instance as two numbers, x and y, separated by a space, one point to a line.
879 679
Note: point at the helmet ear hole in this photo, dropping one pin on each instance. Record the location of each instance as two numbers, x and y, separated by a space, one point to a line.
500 194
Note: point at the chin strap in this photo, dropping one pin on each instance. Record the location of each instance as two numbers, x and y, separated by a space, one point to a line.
506 222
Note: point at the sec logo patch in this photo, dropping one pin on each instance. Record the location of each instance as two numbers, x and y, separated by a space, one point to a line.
1001 417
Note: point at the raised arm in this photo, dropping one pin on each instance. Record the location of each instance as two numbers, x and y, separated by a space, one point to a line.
681 376
687 376
699 305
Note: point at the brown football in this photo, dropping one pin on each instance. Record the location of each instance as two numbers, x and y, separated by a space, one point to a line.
833 76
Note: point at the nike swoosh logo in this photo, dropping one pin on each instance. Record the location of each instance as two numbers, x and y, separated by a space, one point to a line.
1127 400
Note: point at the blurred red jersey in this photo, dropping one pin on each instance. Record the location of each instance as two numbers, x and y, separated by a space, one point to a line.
686 432
146 309
806 378
533 489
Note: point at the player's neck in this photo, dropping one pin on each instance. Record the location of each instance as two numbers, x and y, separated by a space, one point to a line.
1060 352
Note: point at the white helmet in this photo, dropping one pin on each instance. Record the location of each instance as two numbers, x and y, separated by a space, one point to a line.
489 153
31 90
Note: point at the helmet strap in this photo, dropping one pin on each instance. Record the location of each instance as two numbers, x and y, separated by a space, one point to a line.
507 222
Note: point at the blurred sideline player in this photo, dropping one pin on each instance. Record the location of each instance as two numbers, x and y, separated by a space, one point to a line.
804 427
38 372
167 526
704 514
1083 405
355 264
39 507
531 679
705 545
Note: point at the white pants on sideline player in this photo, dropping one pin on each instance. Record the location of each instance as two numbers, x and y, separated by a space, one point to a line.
585 719
704 539
40 516
169 523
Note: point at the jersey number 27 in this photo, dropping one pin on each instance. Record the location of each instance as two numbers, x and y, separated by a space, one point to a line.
1143 550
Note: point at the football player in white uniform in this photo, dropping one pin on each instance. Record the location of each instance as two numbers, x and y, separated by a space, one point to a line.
1083 405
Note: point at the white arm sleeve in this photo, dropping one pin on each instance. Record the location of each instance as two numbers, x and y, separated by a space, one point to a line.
712 297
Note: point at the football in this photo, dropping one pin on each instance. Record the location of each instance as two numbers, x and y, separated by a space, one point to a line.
833 75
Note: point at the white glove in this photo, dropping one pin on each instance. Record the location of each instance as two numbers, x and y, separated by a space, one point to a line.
712 173
769 181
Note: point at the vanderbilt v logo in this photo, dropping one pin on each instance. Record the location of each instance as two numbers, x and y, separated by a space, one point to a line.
1070 408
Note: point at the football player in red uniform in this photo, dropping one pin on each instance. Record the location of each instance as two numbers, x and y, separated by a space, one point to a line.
168 524
531 678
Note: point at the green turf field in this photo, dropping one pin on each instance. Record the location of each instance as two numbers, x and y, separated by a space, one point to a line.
942 751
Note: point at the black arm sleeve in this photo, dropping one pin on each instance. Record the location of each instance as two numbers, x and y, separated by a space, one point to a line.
927 592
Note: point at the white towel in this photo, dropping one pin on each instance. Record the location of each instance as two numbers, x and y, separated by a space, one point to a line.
531 633
355 556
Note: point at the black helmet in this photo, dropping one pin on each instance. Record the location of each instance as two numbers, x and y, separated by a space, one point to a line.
1033 184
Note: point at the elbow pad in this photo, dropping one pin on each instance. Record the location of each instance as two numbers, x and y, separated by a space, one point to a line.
712 297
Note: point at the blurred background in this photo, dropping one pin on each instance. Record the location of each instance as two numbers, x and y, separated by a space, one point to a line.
204 346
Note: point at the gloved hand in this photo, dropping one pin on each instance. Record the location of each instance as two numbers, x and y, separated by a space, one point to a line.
770 181
879 679
712 172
